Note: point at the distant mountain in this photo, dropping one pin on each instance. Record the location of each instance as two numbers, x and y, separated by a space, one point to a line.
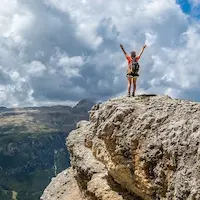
83 106
32 147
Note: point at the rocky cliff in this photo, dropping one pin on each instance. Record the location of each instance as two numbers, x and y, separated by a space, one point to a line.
141 148
32 147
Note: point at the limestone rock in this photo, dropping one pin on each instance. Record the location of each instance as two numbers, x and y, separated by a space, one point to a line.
146 147
63 187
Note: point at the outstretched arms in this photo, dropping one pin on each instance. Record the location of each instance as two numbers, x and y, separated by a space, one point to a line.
137 57
141 52
123 49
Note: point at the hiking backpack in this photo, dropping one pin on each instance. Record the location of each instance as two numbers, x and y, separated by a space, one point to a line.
135 67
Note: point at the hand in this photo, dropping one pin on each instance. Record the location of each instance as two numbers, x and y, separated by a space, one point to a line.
144 46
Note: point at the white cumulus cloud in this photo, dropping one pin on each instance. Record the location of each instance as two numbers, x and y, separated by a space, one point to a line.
61 51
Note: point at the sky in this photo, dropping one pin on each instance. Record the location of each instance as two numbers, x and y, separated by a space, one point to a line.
62 51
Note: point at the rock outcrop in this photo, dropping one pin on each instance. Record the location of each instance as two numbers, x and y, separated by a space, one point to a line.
141 148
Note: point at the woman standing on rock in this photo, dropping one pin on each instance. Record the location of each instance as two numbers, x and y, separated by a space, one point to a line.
133 69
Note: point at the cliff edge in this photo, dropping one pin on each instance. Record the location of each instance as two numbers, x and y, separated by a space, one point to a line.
141 148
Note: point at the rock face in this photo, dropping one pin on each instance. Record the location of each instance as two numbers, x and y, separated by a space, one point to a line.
32 147
141 148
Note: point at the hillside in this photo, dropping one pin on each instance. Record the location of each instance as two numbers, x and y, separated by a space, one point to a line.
32 147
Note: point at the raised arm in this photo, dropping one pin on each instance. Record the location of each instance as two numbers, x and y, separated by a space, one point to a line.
142 50
123 49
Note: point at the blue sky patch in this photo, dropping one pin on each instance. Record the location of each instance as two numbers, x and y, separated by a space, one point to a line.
185 6
188 8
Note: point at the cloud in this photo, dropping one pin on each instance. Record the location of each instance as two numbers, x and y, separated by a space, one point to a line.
150 38
57 51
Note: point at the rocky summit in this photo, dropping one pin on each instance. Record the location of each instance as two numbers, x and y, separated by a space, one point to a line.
140 148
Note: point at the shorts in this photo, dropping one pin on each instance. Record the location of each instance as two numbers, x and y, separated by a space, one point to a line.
132 75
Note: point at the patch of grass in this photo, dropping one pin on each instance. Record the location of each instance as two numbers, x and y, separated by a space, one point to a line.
5 194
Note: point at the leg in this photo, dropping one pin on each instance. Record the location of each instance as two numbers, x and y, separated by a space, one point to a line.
129 85
134 86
